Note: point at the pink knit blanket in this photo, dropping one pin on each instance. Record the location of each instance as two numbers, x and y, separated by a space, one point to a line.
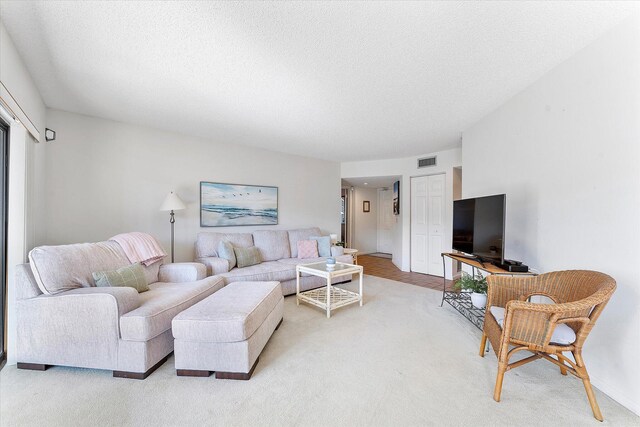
140 247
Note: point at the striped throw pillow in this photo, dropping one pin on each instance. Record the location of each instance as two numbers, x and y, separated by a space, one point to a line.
131 276
246 257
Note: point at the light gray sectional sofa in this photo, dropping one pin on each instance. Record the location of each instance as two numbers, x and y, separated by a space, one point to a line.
278 250
63 319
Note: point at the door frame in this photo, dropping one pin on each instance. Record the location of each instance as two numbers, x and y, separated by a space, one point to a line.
4 216
380 212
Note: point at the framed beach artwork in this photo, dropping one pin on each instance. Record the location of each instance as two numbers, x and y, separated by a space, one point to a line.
227 205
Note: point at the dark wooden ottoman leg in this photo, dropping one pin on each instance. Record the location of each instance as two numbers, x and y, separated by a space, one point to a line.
237 375
192 373
33 366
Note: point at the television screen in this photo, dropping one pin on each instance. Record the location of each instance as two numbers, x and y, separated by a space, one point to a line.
478 227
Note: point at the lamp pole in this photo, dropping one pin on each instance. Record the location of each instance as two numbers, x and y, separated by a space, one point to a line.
172 203
172 220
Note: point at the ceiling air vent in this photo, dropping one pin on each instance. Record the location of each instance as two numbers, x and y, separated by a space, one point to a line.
426 162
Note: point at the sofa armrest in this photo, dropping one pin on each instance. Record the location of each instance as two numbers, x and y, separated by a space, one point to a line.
181 272
80 327
125 298
214 265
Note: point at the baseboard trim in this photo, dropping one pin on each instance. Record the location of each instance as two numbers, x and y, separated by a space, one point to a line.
614 394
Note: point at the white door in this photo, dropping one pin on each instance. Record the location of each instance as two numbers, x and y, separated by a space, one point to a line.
385 221
436 202
427 223
419 225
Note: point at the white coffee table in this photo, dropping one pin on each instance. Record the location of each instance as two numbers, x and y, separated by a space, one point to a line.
330 297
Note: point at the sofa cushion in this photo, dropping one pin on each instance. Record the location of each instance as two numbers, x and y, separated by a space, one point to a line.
324 245
247 257
233 314
225 251
131 276
563 334
161 304
307 249
270 270
300 234
64 267
207 242
272 244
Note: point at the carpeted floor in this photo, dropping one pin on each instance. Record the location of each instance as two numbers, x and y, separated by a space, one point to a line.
399 360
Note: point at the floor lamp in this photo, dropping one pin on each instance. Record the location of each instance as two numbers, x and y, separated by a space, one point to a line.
172 203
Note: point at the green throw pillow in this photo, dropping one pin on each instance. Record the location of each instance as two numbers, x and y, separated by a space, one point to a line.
247 256
131 276
225 251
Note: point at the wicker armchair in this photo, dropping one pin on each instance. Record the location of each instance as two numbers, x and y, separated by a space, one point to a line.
579 296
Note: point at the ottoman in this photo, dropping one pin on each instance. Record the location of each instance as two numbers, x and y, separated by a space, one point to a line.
226 332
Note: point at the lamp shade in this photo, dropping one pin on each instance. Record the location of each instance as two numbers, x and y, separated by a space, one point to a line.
172 203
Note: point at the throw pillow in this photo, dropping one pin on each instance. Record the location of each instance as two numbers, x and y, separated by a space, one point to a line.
246 257
324 245
337 251
131 276
307 249
225 251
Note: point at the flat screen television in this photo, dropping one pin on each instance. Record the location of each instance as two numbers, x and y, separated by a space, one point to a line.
478 227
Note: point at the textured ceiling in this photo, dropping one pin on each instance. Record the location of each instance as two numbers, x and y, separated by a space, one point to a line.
364 80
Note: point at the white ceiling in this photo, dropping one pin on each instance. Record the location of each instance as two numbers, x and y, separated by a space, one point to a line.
366 80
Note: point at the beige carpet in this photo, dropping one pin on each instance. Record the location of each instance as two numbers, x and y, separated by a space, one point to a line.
398 360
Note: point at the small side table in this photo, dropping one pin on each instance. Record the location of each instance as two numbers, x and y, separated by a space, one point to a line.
353 253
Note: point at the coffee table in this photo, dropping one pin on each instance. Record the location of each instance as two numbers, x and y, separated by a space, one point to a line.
330 297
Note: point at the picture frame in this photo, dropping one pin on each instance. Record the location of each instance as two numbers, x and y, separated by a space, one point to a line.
366 206
396 198
231 205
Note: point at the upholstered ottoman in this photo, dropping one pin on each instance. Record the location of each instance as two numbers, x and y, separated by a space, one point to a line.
226 332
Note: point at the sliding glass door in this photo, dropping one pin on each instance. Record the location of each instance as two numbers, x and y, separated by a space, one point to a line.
4 170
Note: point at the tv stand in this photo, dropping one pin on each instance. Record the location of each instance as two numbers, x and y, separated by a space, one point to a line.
473 258
461 301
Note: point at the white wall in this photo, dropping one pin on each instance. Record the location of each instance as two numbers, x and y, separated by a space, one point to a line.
407 168
365 223
566 151
106 177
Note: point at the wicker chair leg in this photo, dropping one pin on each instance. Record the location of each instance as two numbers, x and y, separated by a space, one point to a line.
592 400
563 371
483 344
502 368
584 376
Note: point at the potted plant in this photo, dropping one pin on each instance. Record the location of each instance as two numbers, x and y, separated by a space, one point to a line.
477 285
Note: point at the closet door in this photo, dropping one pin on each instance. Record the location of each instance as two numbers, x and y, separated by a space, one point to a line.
436 201
427 223
419 225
